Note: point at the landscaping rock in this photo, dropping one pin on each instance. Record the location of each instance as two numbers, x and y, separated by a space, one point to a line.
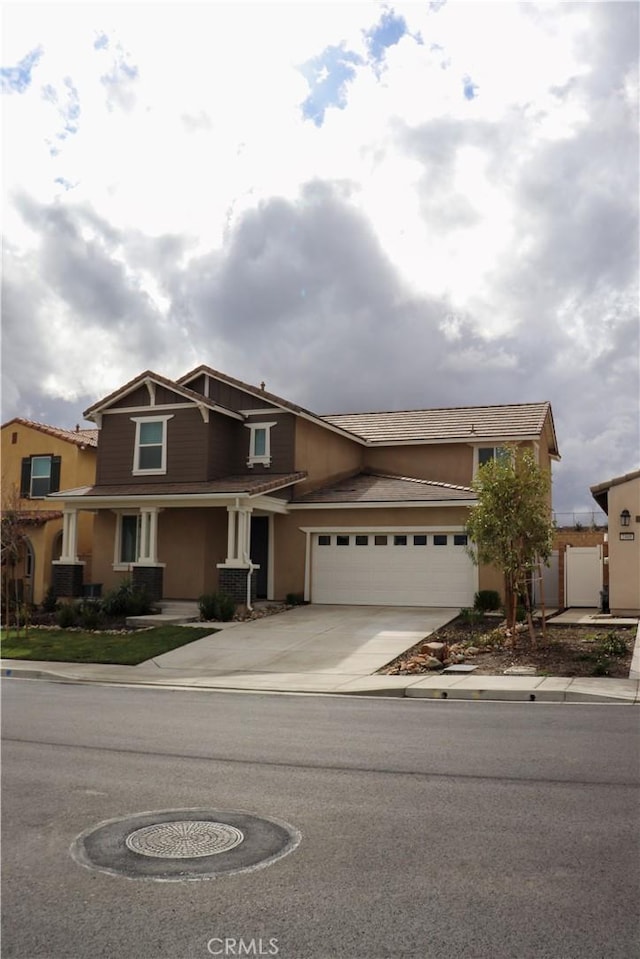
472 650
435 649
433 663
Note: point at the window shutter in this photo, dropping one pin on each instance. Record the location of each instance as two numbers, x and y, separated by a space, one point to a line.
25 478
55 474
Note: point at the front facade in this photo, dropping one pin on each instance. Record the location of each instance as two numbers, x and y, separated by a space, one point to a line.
37 460
620 499
207 483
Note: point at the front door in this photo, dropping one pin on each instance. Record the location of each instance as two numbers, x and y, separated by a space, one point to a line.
260 553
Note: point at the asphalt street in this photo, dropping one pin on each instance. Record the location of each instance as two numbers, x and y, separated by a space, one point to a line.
428 829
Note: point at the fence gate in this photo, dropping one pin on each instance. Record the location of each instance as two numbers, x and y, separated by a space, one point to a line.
583 575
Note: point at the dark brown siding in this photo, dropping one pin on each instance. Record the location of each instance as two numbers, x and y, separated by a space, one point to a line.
115 450
187 444
196 385
235 399
163 395
224 439
139 397
187 449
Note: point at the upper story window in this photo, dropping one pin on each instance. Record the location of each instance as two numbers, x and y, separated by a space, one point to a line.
150 451
259 443
40 476
487 453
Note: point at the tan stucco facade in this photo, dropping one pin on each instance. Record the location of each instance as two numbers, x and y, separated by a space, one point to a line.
190 544
624 548
324 455
77 468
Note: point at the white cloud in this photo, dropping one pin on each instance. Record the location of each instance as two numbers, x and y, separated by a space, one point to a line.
157 177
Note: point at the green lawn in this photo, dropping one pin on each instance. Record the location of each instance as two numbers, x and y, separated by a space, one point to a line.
69 646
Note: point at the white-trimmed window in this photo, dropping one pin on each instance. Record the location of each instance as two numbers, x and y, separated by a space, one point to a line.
40 475
259 443
484 454
127 540
150 450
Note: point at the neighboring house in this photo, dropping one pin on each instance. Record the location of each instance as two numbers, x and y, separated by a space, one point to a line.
37 460
207 483
620 499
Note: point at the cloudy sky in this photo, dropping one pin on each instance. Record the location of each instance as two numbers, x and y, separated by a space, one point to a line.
369 206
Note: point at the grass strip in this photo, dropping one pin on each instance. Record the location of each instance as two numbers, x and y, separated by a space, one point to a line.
78 646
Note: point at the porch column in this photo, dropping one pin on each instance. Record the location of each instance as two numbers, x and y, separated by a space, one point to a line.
244 535
148 535
69 536
67 573
232 538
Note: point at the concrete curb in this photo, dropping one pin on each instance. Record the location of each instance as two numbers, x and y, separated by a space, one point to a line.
530 689
634 671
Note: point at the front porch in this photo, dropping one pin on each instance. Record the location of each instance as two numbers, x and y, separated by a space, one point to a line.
175 551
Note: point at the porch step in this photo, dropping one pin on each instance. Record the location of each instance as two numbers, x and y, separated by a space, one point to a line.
170 612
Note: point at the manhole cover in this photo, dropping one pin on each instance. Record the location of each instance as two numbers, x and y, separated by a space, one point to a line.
184 844
187 839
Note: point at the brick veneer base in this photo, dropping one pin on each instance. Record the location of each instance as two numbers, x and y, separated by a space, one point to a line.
234 583
149 578
66 579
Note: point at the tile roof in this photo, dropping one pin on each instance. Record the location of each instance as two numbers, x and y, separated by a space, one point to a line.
38 517
600 491
233 485
80 437
371 487
457 423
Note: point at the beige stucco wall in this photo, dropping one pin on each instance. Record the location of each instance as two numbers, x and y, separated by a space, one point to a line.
77 468
451 463
624 555
290 541
190 543
324 455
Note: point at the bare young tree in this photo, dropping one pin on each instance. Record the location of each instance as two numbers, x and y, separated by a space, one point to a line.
511 527
13 546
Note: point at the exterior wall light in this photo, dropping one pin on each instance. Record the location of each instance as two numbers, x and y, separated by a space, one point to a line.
625 517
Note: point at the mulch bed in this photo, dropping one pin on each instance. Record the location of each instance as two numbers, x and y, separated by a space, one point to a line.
567 651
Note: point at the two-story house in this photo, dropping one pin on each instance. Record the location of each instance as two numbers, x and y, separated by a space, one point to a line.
37 460
208 483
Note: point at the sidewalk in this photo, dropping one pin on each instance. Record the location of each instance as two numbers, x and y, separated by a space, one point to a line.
185 669
512 688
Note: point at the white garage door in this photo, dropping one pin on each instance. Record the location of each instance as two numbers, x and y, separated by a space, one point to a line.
392 569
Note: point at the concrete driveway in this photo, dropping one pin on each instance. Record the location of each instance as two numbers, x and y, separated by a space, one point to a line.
334 641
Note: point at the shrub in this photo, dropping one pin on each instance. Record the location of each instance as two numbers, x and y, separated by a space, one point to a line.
612 644
50 601
470 616
126 600
67 615
294 599
216 607
226 607
486 600
602 666
89 614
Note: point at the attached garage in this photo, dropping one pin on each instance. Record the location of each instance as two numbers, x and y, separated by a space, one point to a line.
391 568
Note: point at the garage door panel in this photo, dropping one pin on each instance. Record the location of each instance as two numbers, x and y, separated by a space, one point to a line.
399 575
